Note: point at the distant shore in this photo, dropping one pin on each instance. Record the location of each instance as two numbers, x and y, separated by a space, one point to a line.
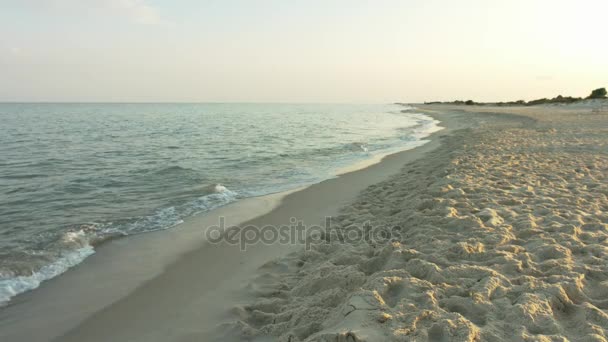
597 97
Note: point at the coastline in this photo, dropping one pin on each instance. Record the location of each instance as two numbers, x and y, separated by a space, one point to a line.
183 175
499 234
56 310
169 306
498 227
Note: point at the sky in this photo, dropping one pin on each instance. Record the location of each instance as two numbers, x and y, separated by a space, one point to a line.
300 51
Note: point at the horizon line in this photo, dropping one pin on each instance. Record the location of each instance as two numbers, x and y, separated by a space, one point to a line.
199 102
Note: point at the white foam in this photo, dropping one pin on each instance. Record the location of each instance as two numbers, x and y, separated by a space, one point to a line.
12 286
426 125
220 188
221 196
81 248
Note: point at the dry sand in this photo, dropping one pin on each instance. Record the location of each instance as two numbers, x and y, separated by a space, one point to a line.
503 237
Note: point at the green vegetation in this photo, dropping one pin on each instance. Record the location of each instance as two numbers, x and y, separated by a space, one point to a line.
599 93
558 99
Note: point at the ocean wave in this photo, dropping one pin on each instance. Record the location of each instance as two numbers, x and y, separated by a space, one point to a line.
424 126
11 286
216 195
220 197
358 147
79 243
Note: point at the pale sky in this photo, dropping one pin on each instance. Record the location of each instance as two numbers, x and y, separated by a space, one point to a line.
300 51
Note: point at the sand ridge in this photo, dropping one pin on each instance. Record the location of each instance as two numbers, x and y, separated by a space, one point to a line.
503 236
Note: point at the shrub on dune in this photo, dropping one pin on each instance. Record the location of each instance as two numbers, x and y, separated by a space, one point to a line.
599 93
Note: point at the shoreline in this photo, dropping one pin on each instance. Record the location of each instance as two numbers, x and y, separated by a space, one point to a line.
34 307
91 240
499 234
168 307
174 181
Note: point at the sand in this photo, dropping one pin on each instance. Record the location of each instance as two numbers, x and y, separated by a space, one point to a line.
503 237
499 230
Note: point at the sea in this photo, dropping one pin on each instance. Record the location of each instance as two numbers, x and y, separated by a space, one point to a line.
74 175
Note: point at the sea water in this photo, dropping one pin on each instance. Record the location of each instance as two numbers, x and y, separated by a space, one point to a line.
75 175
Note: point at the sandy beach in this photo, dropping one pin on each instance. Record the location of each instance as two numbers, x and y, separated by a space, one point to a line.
502 238
497 231
196 296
